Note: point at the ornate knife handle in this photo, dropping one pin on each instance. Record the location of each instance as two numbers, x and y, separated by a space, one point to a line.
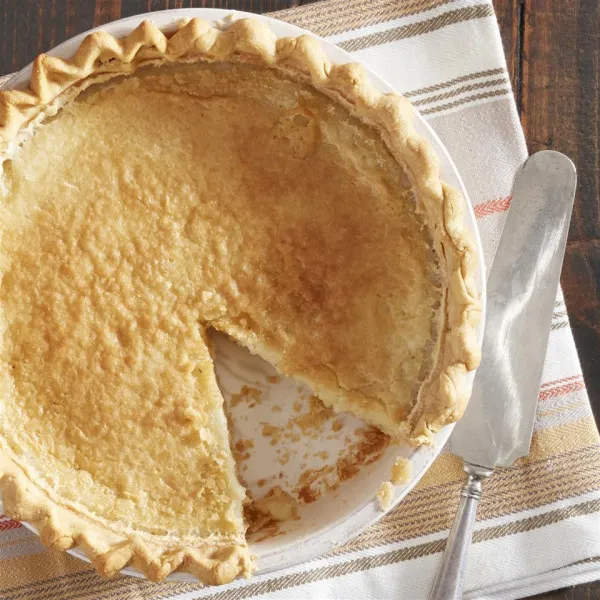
451 574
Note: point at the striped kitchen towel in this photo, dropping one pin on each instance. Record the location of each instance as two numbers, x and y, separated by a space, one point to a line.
539 521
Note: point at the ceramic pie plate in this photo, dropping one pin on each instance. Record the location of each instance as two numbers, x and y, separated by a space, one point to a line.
332 464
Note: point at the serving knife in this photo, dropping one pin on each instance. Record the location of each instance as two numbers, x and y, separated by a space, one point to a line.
497 426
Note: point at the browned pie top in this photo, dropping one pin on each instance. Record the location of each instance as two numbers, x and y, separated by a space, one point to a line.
216 194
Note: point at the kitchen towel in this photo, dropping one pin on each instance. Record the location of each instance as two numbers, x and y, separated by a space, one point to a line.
539 521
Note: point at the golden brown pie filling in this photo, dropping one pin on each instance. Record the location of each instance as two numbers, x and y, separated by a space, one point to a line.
182 197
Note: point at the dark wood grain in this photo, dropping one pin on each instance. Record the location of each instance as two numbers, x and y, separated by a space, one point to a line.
28 27
552 49
560 97
510 19
590 591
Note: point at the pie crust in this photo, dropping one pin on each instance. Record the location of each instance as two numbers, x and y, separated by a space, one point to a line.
248 48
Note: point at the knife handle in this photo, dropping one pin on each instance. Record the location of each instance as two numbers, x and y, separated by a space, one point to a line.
448 583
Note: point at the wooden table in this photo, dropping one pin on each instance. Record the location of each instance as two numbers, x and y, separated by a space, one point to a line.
552 49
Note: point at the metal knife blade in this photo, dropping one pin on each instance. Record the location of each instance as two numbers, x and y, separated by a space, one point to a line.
521 291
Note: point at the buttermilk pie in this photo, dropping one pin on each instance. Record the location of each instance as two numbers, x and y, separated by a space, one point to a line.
160 185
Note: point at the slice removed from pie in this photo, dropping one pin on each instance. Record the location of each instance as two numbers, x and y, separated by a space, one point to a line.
154 187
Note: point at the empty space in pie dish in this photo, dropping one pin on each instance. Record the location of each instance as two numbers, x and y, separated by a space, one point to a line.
283 438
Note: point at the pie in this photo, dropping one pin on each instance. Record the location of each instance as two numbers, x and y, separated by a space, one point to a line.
157 186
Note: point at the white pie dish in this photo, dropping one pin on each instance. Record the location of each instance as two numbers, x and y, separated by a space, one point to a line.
337 515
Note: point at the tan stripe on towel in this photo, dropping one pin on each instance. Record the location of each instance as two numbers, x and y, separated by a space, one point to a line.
508 492
468 100
464 78
338 16
451 17
460 90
